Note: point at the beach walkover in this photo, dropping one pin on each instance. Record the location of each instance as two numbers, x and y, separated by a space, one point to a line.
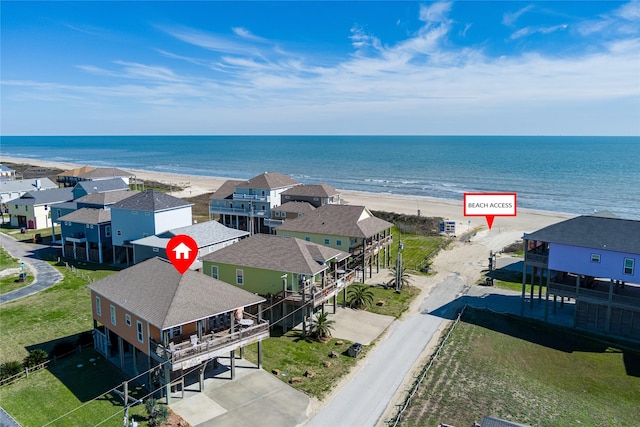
45 275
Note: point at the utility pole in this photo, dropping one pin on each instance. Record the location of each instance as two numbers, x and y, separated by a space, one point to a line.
399 266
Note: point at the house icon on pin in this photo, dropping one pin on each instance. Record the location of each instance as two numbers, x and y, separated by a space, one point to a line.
182 251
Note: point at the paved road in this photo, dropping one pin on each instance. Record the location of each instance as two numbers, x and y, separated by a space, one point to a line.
45 276
362 401
7 420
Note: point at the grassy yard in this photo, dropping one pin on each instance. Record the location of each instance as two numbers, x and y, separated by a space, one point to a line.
10 282
389 303
293 355
416 248
532 374
43 319
65 386
27 237
509 279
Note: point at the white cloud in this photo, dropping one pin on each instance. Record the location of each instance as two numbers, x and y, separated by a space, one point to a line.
527 31
509 19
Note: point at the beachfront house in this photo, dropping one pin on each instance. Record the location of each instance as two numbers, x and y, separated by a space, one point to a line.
314 194
83 188
283 269
244 205
352 229
149 315
210 236
145 214
89 173
11 190
592 259
33 209
6 173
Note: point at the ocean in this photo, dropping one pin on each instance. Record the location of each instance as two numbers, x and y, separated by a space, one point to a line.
577 175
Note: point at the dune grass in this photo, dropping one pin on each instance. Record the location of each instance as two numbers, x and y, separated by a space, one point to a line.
529 373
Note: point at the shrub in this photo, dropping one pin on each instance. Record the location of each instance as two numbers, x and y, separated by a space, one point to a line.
35 358
158 414
9 369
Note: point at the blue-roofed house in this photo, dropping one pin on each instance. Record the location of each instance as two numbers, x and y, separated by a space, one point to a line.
210 236
86 235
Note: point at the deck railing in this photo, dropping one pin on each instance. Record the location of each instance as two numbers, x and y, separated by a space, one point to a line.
570 291
250 197
187 353
373 246
539 258
316 294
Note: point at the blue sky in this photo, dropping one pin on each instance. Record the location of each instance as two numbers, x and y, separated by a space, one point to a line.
421 68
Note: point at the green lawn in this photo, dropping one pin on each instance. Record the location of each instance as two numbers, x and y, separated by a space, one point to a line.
293 355
393 304
529 373
416 248
11 283
27 237
39 320
50 393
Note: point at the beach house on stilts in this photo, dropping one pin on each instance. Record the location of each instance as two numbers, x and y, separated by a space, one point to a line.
592 259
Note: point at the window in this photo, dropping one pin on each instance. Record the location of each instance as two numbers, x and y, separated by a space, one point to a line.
628 265
46 207
315 199
113 315
287 197
339 242
16 206
140 332
176 331
127 319
58 213
214 271
98 306
239 277
277 214
327 241
107 231
307 238
156 250
595 257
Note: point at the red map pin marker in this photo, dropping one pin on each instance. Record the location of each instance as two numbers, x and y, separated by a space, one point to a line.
182 251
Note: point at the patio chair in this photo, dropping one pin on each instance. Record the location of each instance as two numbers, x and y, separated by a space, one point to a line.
194 340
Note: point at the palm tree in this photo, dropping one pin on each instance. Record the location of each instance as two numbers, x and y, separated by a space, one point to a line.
405 279
360 296
322 326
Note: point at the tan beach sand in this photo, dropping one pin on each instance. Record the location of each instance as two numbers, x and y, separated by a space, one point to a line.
525 221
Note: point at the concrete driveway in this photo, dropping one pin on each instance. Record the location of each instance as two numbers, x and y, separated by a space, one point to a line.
254 397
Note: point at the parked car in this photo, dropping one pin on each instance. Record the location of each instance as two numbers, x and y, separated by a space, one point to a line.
355 349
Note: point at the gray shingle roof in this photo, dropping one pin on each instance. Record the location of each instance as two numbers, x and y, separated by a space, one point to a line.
299 207
312 190
152 201
205 234
226 189
277 253
107 198
591 231
270 180
496 422
337 220
44 197
97 173
87 216
26 185
110 184
156 292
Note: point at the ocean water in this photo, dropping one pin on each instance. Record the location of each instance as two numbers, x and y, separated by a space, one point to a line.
576 175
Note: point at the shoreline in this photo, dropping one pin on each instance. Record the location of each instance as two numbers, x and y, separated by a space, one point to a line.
527 220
